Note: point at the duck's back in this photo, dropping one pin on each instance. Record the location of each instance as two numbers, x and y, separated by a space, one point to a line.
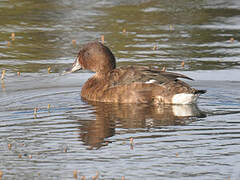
140 85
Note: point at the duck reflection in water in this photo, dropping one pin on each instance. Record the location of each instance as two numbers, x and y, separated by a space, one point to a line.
110 116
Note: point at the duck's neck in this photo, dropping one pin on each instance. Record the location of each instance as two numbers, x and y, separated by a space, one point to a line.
94 87
101 75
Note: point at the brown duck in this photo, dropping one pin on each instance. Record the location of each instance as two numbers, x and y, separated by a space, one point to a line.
129 84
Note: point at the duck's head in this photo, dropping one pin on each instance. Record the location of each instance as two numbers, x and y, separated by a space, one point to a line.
95 57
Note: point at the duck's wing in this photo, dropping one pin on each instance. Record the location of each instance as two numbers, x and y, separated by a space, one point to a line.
147 85
169 75
130 74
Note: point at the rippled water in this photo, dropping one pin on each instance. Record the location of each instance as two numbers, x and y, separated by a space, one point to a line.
67 133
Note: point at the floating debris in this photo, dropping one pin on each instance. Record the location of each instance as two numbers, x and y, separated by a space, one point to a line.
96 176
35 112
65 149
232 39
48 106
9 146
177 154
3 85
18 73
124 30
49 70
164 68
171 27
74 42
131 143
102 39
155 47
182 64
123 143
3 74
13 36
8 43
131 140
75 174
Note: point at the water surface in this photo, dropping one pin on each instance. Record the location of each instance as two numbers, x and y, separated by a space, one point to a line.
169 142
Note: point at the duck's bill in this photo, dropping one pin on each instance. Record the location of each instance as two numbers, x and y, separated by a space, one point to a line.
75 67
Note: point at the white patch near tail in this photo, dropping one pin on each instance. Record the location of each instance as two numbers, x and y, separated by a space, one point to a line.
150 81
184 98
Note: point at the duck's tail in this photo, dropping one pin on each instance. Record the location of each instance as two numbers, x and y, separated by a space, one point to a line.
200 91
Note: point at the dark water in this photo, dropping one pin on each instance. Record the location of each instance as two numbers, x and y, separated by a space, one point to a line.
169 142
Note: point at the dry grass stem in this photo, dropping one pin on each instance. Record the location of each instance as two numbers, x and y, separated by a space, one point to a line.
96 176
102 39
13 36
182 64
75 174
49 70
164 68
3 74
74 42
